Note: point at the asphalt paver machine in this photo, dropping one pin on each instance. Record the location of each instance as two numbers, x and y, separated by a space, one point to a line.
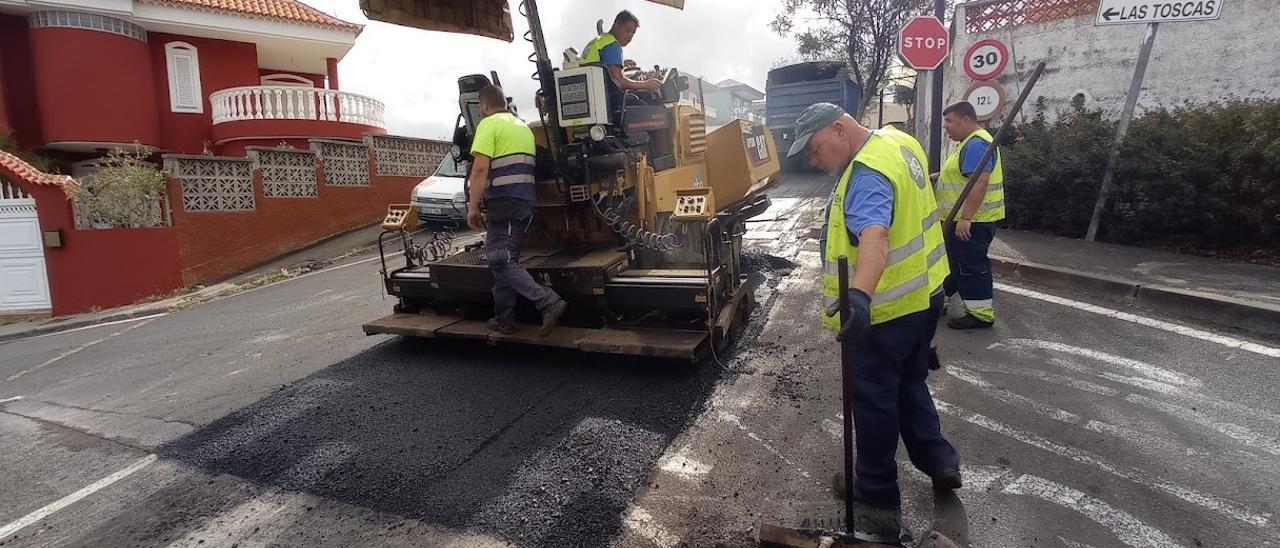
640 216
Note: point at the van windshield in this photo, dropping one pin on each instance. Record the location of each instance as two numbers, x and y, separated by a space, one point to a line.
451 168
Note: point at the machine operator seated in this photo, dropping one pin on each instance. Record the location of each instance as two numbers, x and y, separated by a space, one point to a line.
606 51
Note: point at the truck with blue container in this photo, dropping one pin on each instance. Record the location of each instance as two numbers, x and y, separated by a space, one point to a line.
791 88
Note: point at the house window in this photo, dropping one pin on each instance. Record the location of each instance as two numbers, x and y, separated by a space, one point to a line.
87 21
184 78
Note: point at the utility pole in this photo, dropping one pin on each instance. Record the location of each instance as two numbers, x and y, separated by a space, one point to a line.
935 81
1122 129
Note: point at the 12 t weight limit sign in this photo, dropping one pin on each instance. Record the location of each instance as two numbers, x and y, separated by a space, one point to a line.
986 59
987 99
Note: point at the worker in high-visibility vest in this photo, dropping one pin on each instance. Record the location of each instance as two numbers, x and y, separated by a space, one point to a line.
883 217
502 178
606 50
975 225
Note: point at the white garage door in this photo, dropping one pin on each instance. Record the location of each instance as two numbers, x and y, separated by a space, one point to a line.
24 284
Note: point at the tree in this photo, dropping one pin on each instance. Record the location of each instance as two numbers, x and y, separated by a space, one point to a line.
863 33
905 96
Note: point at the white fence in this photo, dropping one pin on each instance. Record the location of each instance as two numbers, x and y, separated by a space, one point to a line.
295 103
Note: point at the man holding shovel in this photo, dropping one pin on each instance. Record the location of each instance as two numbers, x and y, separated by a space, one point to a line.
884 218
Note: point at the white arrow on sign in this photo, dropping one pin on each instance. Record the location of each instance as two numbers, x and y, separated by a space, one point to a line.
1124 12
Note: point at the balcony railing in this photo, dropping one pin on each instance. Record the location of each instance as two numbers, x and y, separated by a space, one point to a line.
295 103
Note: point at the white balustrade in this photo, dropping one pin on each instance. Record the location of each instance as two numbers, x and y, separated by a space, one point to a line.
295 103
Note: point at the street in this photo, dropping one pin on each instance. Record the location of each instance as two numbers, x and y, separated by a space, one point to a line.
268 418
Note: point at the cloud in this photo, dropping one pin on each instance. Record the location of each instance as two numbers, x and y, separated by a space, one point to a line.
415 72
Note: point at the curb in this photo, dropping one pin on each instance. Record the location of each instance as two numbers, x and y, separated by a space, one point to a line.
76 324
1254 317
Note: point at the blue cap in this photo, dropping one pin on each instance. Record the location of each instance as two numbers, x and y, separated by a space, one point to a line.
812 120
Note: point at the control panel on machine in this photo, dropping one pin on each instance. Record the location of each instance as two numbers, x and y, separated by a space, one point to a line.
581 96
400 217
694 204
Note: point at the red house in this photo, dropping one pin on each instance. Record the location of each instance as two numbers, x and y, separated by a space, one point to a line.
238 100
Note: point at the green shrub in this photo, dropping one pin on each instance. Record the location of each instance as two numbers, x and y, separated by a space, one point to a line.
1193 177
125 191
9 144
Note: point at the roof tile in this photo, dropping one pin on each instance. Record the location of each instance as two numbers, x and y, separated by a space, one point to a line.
285 10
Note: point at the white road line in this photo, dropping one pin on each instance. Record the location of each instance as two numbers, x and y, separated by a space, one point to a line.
833 429
1142 368
87 327
978 478
681 465
7 400
1037 374
1231 430
1012 398
68 500
1062 415
1188 392
733 419
73 352
1171 327
1127 528
1225 507
642 523
1073 544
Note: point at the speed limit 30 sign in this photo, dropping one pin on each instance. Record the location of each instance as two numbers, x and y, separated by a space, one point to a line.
986 59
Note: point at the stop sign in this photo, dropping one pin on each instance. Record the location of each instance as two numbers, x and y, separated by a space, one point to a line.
923 43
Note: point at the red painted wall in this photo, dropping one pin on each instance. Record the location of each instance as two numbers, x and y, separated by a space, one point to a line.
94 86
4 104
103 268
223 64
15 78
231 136
216 245
317 79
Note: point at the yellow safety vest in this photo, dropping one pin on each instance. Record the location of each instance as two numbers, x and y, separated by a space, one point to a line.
951 182
591 54
917 263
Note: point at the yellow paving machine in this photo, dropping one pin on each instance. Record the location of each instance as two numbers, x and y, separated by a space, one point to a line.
640 216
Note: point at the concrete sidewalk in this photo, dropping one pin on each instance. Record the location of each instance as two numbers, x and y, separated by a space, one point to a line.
1226 293
329 252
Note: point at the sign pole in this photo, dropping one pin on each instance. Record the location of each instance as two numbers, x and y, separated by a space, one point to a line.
880 111
935 119
1122 129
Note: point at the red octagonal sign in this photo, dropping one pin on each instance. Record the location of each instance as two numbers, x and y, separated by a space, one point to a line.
923 43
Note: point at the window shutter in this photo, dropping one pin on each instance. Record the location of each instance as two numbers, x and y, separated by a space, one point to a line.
184 78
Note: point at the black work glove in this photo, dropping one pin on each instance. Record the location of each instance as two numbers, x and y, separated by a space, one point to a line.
859 320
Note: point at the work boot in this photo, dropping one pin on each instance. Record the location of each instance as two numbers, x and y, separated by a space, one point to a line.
837 484
968 321
504 328
947 479
551 316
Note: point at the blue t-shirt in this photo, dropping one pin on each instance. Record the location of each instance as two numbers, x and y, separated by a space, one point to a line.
611 54
868 200
972 153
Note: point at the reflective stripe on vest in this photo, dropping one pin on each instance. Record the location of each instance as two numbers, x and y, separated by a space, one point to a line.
951 182
512 169
916 265
591 53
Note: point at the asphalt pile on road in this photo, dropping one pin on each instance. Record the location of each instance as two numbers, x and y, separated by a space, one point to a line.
538 449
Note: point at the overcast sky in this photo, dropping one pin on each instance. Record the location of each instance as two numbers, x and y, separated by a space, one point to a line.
415 72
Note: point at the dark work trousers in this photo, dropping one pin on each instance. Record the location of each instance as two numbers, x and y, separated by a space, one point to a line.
505 224
890 399
971 270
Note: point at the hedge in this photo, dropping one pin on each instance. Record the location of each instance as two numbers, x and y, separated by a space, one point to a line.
1194 177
